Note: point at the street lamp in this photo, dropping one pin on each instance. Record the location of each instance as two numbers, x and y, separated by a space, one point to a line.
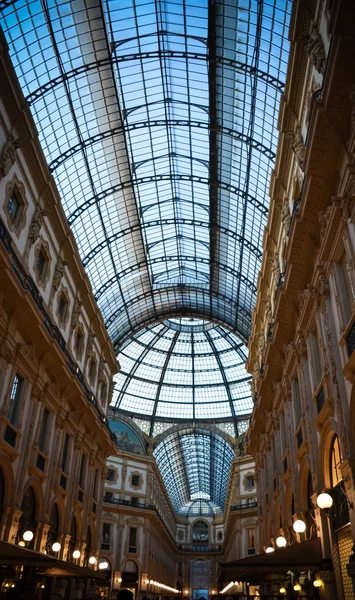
269 549
299 526
281 541
28 536
324 501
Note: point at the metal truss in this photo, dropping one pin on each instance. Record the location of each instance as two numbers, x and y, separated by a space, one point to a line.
116 236
112 60
165 177
104 135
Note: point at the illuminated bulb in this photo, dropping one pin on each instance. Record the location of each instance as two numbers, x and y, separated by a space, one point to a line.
92 560
236 583
317 583
297 587
119 580
56 547
151 581
13 585
28 536
21 543
324 500
282 590
103 565
43 586
299 526
281 541
6 585
269 549
76 554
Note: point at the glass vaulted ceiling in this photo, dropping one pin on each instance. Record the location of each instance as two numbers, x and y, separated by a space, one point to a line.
158 122
184 369
195 466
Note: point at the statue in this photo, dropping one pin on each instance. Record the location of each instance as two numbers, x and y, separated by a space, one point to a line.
76 313
315 48
58 273
36 225
298 147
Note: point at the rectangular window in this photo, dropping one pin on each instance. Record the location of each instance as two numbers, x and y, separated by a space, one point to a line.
346 292
317 369
64 465
41 263
132 542
296 401
106 528
249 480
94 491
251 538
136 479
15 400
283 433
110 475
43 431
82 471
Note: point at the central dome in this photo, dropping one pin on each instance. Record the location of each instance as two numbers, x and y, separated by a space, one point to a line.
183 369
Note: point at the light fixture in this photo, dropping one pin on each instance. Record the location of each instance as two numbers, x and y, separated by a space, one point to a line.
236 583
42 586
282 590
269 549
299 526
103 565
147 580
324 500
76 554
151 581
119 580
22 543
92 560
56 547
297 587
28 535
281 541
317 583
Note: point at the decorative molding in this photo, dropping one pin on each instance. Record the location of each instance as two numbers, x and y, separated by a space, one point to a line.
35 228
8 155
42 279
15 187
316 51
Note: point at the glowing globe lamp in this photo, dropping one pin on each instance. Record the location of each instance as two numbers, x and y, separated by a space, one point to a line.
324 500
317 583
28 536
281 541
299 526
297 587
76 554
103 565
282 590
92 560
56 547
269 549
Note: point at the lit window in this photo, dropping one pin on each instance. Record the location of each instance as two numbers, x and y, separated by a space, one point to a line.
336 459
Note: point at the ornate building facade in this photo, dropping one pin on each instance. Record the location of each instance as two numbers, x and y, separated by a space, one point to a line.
301 348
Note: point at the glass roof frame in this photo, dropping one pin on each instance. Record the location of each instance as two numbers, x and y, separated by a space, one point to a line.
195 463
158 121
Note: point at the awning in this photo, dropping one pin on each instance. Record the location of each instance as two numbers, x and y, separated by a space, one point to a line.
260 567
47 565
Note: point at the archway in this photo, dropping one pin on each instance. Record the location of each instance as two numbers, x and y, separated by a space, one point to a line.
53 533
199 533
28 525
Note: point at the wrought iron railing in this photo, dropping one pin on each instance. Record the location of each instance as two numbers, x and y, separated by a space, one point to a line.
200 547
246 506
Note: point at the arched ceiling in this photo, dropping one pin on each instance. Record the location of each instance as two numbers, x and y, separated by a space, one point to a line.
158 122
195 464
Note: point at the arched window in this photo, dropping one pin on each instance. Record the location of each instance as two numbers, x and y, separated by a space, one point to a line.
200 532
336 459
54 530
28 517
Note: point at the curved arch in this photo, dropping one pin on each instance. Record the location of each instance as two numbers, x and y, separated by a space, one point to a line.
329 429
302 492
90 534
131 423
198 533
77 518
9 480
36 485
181 221
59 503
288 507
136 561
164 177
239 66
186 428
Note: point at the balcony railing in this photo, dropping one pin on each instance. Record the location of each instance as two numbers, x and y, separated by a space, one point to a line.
247 506
200 547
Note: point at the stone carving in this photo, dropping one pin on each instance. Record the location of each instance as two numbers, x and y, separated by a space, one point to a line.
75 314
8 155
29 350
36 224
261 349
315 49
298 146
90 344
58 273
100 371
16 222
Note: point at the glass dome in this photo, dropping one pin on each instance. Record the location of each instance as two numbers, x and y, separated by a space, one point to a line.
183 369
